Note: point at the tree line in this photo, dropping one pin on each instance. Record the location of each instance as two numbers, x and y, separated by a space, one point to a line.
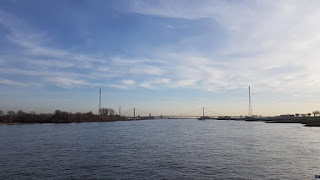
58 116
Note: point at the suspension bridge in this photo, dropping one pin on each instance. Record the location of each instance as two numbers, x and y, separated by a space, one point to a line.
201 113
137 113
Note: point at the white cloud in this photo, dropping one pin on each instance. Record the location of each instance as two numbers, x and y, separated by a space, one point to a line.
12 83
50 63
117 86
66 82
185 83
161 81
174 9
156 83
146 85
124 84
128 82
150 70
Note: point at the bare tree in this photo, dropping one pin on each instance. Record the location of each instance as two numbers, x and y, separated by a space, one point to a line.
20 113
315 112
111 112
11 113
104 111
107 111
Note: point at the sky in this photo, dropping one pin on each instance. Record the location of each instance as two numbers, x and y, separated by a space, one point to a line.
163 57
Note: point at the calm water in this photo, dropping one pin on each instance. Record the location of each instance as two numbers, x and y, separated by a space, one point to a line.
163 149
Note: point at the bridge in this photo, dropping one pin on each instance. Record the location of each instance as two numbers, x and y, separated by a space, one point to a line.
136 113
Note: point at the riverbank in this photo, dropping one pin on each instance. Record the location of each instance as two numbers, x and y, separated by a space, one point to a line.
21 117
61 122
306 121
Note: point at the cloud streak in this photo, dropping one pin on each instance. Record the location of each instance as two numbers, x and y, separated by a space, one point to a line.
11 83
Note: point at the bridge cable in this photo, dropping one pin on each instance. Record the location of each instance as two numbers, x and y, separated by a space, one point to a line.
124 113
148 112
180 114
213 112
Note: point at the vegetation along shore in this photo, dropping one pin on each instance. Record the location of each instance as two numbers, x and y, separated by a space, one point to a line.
58 116
108 115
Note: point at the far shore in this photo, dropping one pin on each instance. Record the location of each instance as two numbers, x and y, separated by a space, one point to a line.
306 121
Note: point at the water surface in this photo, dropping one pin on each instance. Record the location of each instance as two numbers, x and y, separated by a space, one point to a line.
161 149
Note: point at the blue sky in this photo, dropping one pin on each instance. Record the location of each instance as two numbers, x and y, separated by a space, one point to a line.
164 57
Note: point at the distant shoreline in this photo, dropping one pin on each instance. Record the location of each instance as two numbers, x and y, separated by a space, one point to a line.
20 123
306 121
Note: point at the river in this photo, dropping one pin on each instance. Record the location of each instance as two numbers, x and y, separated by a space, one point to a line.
160 149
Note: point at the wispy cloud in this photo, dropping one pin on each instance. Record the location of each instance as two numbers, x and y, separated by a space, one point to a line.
66 82
50 64
123 84
156 83
146 70
11 83
128 82
185 83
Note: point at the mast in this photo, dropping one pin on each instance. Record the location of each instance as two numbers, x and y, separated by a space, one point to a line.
250 106
134 113
202 111
99 101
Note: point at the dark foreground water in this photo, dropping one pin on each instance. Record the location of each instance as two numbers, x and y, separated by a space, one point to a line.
163 149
